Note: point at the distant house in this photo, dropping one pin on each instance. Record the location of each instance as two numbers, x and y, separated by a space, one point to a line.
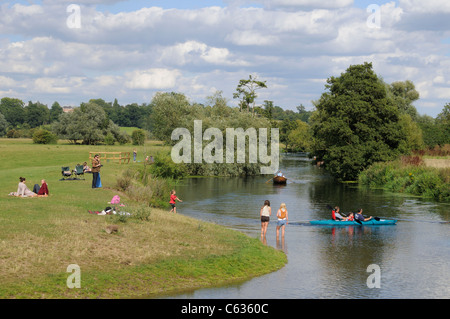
68 109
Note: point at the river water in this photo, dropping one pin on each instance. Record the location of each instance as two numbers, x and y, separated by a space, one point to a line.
407 260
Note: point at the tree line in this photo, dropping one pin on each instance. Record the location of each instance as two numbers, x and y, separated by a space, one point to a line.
359 120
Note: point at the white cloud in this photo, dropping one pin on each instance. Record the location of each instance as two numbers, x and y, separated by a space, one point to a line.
152 79
331 4
434 6
294 45
62 85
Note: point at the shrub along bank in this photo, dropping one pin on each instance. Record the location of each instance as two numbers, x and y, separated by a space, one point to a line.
409 175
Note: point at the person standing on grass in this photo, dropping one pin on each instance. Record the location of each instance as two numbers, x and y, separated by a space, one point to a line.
173 199
96 165
265 213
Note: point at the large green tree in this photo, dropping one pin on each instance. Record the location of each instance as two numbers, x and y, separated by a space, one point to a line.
356 123
88 123
36 114
13 110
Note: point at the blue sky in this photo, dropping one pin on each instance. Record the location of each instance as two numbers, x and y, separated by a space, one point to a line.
132 49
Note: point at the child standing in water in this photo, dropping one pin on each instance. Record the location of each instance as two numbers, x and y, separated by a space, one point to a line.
173 199
265 213
282 215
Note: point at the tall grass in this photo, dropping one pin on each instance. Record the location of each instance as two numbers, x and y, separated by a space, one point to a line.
409 175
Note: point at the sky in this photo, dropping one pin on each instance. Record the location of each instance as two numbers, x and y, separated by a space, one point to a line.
77 50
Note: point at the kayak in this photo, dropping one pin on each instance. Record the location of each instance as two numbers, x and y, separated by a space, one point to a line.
372 222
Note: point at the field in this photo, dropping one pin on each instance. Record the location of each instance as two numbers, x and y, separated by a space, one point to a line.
41 237
437 162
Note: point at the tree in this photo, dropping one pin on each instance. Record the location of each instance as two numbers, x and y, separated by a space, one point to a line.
443 121
13 110
3 125
88 123
36 114
169 111
55 111
413 134
246 91
300 138
355 123
404 94
432 133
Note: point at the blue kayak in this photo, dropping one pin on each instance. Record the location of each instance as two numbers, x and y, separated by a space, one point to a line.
372 222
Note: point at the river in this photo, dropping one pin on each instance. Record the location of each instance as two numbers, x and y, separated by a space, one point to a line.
407 260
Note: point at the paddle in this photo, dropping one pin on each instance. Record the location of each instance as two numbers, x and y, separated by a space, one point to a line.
269 180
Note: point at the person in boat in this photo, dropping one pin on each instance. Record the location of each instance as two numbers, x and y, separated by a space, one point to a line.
265 213
359 216
336 214
350 217
279 174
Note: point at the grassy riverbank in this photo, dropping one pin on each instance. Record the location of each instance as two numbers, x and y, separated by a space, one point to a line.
41 237
429 178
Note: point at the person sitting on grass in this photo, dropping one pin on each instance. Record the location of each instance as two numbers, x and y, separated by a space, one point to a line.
43 191
23 190
86 168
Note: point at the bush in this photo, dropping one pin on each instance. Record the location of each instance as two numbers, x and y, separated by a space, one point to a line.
164 167
109 139
141 213
414 179
13 133
426 184
144 188
42 136
138 137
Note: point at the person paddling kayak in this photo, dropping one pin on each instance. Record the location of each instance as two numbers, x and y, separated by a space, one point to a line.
336 214
359 216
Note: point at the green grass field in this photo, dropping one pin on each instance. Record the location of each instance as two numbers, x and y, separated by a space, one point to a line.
41 237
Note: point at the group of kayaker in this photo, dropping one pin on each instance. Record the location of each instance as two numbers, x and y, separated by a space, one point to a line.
336 215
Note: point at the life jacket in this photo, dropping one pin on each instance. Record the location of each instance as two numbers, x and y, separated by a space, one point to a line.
333 214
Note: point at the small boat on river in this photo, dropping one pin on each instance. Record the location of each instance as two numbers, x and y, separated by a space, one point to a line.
279 180
372 222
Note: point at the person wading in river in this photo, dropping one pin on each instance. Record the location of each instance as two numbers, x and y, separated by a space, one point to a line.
265 213
282 215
